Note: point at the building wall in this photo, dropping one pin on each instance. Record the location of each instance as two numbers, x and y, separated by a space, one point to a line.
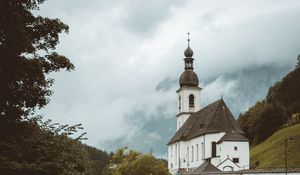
186 155
226 150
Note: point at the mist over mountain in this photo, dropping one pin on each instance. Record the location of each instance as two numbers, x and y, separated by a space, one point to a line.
152 129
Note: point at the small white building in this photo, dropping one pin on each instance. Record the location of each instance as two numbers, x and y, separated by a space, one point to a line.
206 137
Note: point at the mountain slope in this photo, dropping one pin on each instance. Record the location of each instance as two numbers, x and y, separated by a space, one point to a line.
270 153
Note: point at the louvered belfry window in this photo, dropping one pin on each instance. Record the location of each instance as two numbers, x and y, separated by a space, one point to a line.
191 100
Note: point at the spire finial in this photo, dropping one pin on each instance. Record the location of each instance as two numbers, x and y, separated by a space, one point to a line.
188 39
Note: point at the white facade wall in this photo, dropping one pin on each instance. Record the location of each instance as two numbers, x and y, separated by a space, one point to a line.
242 153
186 154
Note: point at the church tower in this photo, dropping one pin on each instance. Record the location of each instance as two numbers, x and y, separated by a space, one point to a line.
189 91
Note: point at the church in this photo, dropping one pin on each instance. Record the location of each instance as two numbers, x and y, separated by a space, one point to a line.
207 138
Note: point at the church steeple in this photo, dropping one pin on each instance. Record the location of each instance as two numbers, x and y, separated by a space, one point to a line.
188 56
189 91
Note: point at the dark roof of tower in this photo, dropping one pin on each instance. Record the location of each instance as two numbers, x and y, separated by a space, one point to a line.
206 167
213 118
188 78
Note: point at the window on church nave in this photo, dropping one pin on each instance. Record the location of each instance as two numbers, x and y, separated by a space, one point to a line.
187 155
213 149
197 152
192 153
235 148
175 153
179 103
202 148
191 100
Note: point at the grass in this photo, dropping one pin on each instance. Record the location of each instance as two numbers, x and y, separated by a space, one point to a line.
270 153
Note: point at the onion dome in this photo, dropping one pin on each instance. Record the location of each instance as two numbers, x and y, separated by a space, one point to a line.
188 52
188 78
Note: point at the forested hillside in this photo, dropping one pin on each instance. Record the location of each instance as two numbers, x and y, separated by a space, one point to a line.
281 107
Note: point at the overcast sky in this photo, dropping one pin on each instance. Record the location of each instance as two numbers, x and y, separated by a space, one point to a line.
122 50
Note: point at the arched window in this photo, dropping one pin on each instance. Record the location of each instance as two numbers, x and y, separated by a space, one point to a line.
191 100
192 153
188 156
179 103
202 151
175 153
213 149
197 152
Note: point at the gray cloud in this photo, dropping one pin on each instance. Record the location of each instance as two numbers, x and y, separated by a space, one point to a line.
240 90
124 50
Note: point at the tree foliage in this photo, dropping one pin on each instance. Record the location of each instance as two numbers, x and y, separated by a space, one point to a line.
37 147
267 116
28 145
97 160
129 162
27 55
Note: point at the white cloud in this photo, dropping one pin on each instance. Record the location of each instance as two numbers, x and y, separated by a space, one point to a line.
121 52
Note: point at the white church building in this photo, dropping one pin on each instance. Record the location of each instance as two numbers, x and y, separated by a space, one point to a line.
207 138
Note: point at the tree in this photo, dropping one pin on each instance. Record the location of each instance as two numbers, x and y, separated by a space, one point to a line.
298 62
27 55
129 162
265 117
268 121
37 147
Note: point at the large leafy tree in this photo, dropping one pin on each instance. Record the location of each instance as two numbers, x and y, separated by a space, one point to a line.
129 162
27 55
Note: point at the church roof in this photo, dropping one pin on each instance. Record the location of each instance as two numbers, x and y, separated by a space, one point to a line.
233 137
213 118
206 167
188 78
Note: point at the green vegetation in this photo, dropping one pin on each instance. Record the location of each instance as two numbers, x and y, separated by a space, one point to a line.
36 147
279 108
29 145
270 153
261 124
129 162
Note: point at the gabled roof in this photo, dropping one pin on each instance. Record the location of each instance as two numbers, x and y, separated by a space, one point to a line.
206 167
233 137
213 118
229 161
